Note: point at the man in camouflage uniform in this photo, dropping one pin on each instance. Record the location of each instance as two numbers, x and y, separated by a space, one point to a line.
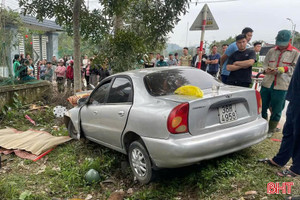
186 59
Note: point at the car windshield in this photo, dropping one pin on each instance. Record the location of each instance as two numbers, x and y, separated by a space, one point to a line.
166 82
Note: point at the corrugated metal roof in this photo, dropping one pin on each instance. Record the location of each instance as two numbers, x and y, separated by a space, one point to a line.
46 25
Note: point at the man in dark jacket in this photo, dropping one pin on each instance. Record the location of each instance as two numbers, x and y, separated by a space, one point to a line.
103 72
290 147
94 73
195 59
240 64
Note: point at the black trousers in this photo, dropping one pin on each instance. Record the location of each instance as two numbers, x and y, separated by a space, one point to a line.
214 74
290 145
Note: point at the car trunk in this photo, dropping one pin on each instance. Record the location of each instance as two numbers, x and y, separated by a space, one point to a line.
229 107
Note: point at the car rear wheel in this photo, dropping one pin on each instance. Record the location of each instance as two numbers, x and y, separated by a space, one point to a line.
72 131
140 162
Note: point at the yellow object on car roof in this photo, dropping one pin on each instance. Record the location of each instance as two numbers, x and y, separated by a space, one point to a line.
189 90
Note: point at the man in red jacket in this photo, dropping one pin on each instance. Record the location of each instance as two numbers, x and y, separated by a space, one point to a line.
70 75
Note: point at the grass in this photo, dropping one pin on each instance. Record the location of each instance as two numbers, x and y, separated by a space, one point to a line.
227 177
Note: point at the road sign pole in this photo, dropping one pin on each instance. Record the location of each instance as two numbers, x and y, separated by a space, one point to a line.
202 35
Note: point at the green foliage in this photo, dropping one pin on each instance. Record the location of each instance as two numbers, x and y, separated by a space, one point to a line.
297 40
66 46
142 24
14 116
16 104
24 195
122 50
220 43
8 190
226 177
93 23
8 19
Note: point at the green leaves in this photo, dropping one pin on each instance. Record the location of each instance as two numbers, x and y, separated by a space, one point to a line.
124 30
24 195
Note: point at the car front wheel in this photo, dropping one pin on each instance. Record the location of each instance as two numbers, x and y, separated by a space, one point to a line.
140 162
72 131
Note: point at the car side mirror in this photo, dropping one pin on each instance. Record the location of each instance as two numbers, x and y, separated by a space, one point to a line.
82 101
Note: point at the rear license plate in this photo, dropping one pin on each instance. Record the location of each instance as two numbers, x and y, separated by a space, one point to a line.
227 113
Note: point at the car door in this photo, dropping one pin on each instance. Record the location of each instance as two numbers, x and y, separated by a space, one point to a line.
90 114
112 115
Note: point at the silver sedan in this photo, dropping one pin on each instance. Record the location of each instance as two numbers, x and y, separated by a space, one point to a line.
138 114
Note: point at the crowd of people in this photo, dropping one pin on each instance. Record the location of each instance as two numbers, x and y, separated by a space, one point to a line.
209 63
61 71
235 68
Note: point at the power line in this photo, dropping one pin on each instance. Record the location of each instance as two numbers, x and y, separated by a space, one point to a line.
212 1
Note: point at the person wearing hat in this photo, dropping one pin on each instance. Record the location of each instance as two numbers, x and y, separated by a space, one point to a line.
290 147
60 76
279 65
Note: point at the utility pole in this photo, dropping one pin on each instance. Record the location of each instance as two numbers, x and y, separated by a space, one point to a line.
293 29
187 33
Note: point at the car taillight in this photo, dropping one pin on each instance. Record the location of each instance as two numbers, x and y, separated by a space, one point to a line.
178 119
258 101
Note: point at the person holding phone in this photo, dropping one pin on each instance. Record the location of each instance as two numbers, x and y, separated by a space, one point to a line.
279 65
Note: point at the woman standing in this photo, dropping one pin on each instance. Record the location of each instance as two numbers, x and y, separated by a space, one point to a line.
60 76
16 65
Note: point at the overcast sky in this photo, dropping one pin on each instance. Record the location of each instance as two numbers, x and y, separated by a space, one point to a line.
265 17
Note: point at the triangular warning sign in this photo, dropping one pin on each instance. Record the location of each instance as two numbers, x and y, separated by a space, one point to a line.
211 24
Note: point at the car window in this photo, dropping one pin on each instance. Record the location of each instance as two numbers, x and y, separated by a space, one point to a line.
121 91
98 96
166 82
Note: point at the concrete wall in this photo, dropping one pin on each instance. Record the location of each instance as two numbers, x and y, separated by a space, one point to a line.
52 45
27 93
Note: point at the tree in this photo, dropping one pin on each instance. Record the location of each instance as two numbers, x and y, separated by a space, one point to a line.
220 43
77 64
143 29
297 40
8 19
124 30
